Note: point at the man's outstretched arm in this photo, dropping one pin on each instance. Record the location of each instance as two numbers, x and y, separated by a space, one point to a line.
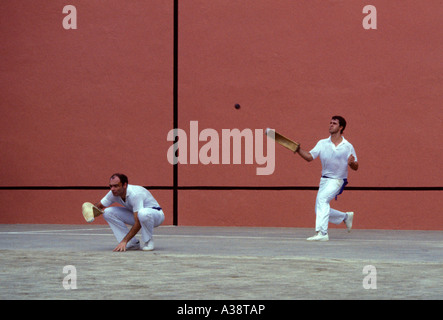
305 154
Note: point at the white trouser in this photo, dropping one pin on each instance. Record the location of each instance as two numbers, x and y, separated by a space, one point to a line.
119 217
327 191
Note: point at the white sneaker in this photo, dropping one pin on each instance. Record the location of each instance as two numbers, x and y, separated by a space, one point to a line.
319 237
348 221
134 246
149 246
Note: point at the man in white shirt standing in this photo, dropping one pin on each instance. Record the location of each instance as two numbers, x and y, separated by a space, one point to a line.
140 210
336 154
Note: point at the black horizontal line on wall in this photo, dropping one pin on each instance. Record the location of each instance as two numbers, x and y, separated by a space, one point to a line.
74 188
307 188
258 188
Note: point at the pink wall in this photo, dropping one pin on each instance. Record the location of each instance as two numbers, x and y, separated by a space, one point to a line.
81 104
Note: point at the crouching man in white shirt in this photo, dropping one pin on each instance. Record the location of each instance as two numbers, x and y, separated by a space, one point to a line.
336 154
140 210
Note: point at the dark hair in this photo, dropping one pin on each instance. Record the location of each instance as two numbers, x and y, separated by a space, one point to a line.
123 178
341 122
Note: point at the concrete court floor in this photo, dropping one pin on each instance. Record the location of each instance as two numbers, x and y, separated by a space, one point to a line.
220 263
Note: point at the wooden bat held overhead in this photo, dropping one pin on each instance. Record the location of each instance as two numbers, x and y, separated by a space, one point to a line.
282 140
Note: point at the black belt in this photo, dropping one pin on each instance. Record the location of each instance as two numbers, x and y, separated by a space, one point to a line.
345 182
156 208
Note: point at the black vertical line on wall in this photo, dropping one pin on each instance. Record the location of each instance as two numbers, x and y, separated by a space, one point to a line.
175 116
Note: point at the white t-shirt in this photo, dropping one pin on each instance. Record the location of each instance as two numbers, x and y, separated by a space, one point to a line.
137 197
334 160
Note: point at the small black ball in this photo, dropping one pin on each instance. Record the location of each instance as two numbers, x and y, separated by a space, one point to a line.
237 106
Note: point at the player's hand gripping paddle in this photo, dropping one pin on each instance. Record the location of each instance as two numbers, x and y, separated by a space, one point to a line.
90 212
280 139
